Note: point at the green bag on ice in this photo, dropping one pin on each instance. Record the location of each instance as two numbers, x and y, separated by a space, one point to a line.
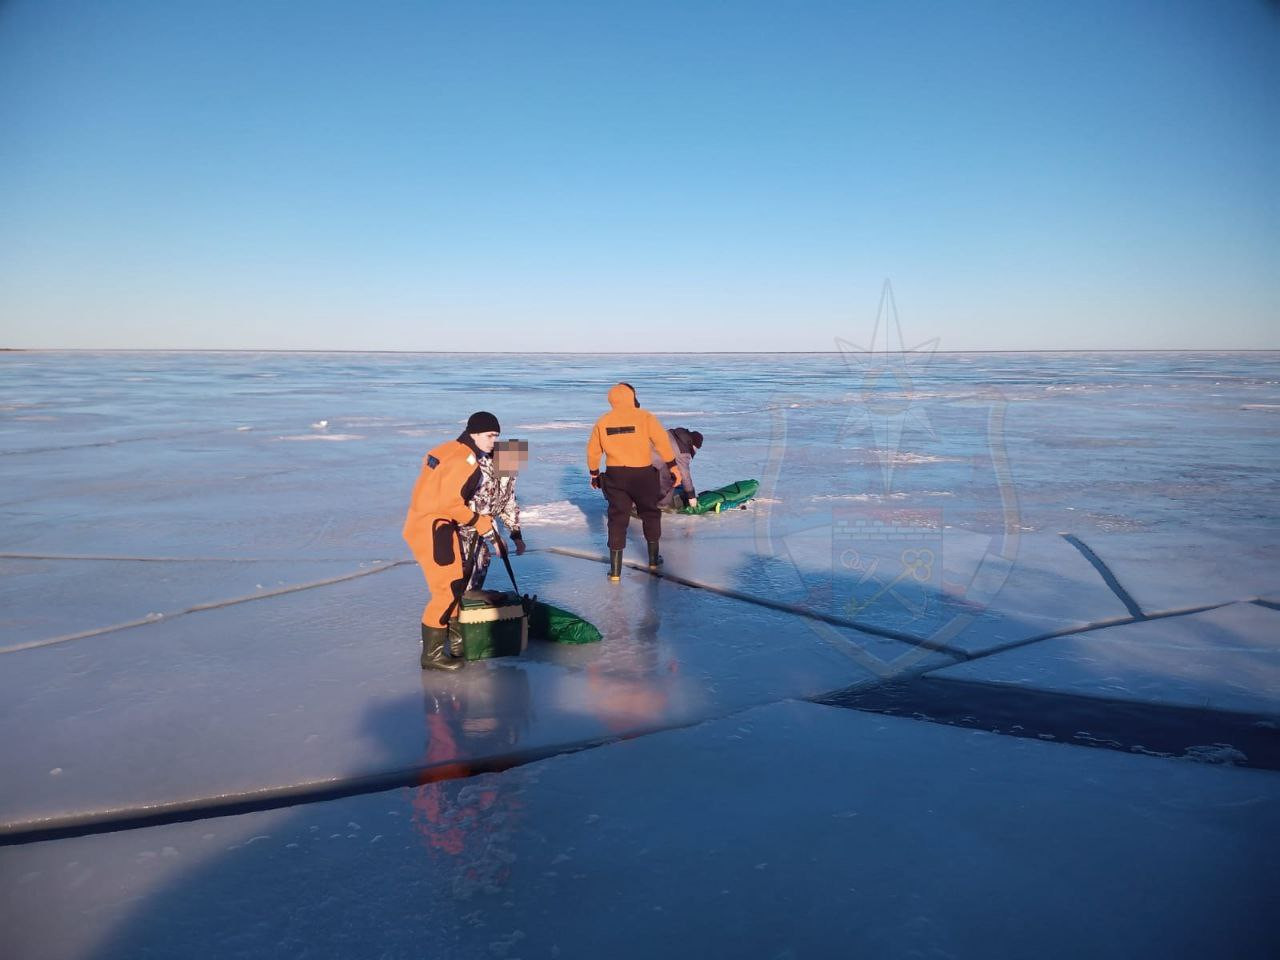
560 626
725 498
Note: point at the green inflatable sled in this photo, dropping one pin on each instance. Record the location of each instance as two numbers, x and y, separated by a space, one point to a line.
560 626
724 498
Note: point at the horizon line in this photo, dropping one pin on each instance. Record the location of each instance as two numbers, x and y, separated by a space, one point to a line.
624 353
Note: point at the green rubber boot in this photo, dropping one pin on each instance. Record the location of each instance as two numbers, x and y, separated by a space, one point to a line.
655 560
615 565
455 646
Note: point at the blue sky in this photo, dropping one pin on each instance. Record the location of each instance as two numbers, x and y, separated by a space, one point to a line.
638 176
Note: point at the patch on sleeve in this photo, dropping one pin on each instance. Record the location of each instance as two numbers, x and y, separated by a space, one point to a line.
432 462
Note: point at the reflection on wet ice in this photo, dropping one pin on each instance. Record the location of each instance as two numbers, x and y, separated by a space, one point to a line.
630 687
471 822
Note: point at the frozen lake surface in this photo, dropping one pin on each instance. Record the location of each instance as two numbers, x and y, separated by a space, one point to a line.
991 668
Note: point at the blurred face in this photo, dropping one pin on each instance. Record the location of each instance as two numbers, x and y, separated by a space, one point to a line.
509 456
484 441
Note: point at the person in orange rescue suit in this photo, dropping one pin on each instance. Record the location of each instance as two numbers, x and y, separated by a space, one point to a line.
450 477
626 436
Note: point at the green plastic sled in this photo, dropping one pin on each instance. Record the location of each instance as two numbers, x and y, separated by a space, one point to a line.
560 626
725 498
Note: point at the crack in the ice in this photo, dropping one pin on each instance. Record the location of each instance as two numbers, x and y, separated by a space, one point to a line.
1098 625
196 608
99 443
779 605
232 805
961 655
999 714
1155 729
1104 571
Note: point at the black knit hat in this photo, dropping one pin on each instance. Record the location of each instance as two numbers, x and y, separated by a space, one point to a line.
482 421
696 439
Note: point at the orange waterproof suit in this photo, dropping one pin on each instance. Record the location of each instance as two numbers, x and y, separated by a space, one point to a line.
449 478
626 436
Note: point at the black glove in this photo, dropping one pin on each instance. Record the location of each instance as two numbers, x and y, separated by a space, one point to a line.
595 481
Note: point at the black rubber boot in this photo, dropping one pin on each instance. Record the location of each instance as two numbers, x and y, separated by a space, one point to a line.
655 560
433 655
615 564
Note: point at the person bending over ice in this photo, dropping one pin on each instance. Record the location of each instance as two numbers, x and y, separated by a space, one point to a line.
675 496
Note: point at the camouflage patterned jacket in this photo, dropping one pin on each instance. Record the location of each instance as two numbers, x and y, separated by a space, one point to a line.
496 497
